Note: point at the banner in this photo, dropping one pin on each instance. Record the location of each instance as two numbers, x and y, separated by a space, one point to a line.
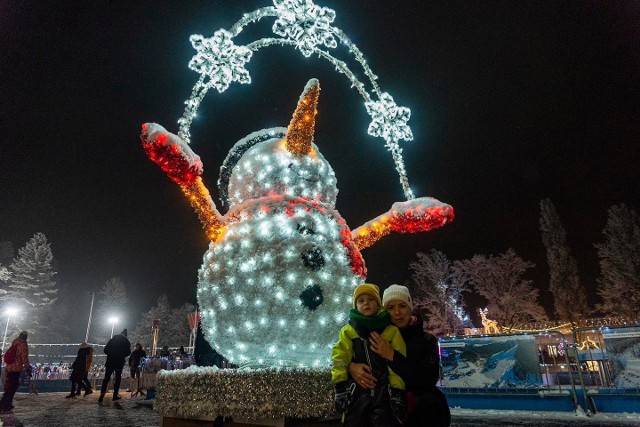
490 362
623 351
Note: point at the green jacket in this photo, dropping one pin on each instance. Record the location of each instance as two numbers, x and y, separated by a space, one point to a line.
351 347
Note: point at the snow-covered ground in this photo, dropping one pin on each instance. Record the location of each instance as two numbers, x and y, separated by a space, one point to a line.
486 417
53 410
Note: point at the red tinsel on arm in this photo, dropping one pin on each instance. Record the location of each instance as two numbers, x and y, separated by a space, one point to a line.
171 153
414 216
184 167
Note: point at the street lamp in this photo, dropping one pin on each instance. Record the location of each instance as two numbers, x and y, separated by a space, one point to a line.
10 311
86 337
113 321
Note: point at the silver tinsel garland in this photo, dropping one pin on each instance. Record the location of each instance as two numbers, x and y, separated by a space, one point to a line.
245 393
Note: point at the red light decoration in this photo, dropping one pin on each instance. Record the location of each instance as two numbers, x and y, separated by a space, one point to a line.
180 164
415 216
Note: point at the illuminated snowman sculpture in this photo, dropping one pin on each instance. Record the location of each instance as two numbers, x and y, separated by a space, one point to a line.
275 285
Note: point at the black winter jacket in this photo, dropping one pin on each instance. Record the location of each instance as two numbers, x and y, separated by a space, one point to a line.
420 369
117 349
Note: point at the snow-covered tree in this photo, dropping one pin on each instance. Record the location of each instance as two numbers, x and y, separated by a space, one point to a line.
6 255
619 284
569 296
5 274
512 301
161 311
111 300
174 326
177 331
438 292
31 284
57 328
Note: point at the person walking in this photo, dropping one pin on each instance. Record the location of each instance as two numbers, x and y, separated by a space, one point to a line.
17 360
85 380
134 366
78 367
117 349
428 406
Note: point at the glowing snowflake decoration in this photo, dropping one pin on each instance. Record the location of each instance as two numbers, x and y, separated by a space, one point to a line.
220 59
306 23
389 121
308 28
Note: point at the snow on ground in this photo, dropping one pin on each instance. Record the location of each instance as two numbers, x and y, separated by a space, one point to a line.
495 418
53 410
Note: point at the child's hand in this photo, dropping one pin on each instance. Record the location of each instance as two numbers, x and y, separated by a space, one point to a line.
380 346
361 374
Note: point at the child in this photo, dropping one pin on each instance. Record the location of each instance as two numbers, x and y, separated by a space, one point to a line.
84 383
361 406
79 367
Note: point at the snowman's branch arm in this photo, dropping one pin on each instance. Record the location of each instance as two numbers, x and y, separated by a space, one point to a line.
201 201
414 216
184 167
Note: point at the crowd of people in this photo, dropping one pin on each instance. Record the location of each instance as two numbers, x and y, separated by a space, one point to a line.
385 366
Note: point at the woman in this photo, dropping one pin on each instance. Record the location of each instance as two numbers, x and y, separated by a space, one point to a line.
79 372
420 369
85 379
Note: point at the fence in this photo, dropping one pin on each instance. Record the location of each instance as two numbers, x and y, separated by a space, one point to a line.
54 377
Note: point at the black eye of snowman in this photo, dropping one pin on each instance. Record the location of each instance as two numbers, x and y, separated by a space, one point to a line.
304 173
312 258
305 229
312 297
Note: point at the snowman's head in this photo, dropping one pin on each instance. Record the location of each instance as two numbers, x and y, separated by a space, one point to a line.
280 161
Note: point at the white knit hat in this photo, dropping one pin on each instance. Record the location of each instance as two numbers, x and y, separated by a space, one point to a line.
397 293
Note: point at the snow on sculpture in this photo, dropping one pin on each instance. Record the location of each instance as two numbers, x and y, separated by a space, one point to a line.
276 282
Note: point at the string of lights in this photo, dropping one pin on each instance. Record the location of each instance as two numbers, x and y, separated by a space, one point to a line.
307 27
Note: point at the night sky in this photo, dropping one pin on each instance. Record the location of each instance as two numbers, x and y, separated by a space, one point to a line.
512 102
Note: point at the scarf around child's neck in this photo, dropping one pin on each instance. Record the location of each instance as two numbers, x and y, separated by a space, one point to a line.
364 325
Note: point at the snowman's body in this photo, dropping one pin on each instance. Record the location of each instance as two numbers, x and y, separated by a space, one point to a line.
278 281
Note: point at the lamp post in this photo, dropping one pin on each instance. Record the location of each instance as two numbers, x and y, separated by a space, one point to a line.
113 321
10 312
86 337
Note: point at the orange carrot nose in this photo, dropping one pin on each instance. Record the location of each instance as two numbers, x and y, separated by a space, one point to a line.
301 129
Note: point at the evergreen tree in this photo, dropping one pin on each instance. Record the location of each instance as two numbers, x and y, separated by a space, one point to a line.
569 296
111 301
619 284
31 283
5 275
177 331
57 328
438 294
161 311
512 301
